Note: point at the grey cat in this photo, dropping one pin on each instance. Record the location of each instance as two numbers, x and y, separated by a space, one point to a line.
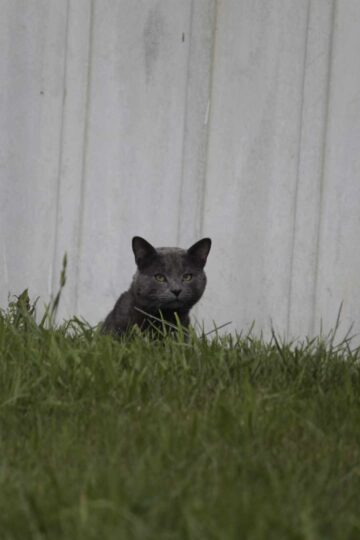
168 281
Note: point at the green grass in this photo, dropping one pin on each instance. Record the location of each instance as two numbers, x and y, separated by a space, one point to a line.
206 439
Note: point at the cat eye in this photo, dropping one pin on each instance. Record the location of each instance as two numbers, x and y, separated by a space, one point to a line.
187 277
160 277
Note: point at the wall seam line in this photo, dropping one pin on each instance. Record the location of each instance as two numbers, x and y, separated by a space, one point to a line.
185 126
202 198
84 156
61 153
297 180
325 138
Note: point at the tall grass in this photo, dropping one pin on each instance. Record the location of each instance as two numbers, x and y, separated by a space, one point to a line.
218 438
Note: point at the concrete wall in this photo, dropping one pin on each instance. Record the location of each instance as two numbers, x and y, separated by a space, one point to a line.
176 119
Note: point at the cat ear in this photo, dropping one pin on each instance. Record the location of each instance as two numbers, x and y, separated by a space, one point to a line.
200 251
142 250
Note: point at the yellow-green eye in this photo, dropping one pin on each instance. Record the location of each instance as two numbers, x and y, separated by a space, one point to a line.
160 277
187 277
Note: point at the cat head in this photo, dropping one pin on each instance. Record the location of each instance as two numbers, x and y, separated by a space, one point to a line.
169 278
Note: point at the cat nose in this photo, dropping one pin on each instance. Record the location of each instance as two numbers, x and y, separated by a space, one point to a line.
176 292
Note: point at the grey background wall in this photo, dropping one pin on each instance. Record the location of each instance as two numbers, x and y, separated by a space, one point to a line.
176 119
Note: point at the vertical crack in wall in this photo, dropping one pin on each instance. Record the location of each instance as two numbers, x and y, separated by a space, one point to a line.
322 178
84 156
297 180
